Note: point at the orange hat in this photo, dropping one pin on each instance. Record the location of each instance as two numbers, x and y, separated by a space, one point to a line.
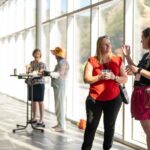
59 52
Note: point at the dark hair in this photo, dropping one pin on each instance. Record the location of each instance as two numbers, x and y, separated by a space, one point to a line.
146 33
36 50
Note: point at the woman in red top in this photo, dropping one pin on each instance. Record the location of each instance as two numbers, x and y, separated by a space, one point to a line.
103 72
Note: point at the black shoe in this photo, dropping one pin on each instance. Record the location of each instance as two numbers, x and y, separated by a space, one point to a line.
42 124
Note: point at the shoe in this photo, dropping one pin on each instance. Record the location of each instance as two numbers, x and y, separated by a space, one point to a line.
32 121
58 129
40 124
55 126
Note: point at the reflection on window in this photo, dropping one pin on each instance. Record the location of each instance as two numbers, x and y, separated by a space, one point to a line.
81 54
112 25
82 43
142 11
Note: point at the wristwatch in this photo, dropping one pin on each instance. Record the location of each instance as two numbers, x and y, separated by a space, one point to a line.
139 70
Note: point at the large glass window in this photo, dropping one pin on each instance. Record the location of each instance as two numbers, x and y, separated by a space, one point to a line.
81 54
141 21
62 30
141 11
52 8
29 37
20 14
45 10
12 15
61 7
5 19
30 13
80 3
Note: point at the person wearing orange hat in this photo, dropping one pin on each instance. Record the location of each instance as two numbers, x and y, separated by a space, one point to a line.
58 83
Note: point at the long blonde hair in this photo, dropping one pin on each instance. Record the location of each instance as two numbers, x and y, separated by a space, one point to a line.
99 53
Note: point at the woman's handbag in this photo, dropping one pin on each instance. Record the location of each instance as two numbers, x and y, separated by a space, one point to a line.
124 94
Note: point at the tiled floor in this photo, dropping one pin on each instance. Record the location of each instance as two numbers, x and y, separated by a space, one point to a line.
13 111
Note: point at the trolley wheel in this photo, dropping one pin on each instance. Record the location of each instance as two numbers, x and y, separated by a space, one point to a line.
42 131
43 126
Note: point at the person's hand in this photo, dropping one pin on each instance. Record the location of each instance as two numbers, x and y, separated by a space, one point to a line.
108 75
126 50
55 75
46 73
130 69
133 68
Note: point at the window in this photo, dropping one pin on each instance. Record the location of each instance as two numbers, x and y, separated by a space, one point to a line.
81 54
80 3
45 9
141 21
30 13
61 7
20 15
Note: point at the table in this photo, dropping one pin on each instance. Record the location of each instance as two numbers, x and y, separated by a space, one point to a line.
28 121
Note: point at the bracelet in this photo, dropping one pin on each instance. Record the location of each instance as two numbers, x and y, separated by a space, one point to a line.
139 70
99 77
116 78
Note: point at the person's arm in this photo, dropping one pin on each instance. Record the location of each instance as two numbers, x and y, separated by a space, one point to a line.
126 53
123 78
88 77
42 68
64 69
129 60
138 70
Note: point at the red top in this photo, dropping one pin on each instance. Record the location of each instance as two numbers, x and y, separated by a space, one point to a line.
105 90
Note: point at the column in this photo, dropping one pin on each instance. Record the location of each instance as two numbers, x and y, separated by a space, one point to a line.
38 23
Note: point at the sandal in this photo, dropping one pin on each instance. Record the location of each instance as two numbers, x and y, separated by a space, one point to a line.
57 129
40 124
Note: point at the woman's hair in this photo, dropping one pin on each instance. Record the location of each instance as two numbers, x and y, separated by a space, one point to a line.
99 48
146 33
36 50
